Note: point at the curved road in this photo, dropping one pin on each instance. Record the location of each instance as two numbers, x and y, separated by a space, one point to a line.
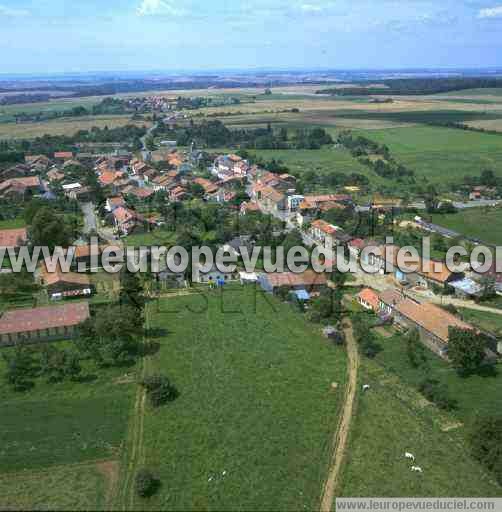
342 433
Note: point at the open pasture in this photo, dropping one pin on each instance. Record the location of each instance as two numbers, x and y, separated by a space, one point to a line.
482 223
71 487
442 155
392 419
252 427
44 433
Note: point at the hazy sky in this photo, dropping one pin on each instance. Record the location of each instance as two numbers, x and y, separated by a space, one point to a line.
85 35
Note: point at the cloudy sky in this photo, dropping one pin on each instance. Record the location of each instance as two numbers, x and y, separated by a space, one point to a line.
95 35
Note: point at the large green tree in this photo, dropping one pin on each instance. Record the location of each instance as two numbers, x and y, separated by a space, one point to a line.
113 336
50 230
131 294
466 349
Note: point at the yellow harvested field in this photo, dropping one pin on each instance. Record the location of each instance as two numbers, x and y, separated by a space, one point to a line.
492 124
64 126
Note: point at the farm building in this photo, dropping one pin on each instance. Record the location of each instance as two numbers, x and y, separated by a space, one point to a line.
432 322
42 324
61 284
309 280
21 187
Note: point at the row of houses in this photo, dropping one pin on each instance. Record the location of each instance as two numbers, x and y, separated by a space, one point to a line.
432 322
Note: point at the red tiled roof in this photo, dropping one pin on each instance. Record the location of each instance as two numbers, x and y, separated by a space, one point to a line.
141 193
13 237
108 177
431 318
58 276
63 155
25 320
325 227
307 278
208 186
29 181
370 297
123 214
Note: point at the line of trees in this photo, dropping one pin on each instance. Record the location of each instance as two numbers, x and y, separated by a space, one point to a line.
375 156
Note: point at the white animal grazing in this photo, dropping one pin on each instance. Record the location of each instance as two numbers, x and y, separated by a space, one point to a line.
417 469
366 387
410 456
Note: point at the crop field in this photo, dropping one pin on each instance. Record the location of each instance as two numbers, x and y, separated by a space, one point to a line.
44 433
391 419
55 105
482 223
77 487
443 155
63 126
252 427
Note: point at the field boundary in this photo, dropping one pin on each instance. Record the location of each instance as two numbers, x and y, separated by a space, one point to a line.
134 453
340 439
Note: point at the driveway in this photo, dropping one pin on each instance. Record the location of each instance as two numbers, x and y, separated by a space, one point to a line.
90 223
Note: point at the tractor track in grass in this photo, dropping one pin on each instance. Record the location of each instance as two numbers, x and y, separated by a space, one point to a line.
340 438
135 453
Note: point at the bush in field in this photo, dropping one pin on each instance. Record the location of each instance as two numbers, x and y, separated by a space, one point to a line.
437 393
146 483
159 390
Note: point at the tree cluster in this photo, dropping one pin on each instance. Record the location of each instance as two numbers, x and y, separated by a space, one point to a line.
214 134
159 390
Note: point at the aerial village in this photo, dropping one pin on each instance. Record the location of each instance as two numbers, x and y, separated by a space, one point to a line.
121 195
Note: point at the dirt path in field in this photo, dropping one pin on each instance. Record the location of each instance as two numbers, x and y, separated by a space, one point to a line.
342 433
135 454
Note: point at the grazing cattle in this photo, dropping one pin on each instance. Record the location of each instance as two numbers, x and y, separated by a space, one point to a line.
366 387
417 469
410 456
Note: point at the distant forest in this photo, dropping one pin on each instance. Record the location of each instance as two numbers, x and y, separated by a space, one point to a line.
417 86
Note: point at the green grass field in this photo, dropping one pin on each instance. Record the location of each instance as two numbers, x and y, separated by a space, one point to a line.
482 223
476 394
490 322
79 487
42 433
255 402
443 155
60 443
392 420
12 223
322 162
